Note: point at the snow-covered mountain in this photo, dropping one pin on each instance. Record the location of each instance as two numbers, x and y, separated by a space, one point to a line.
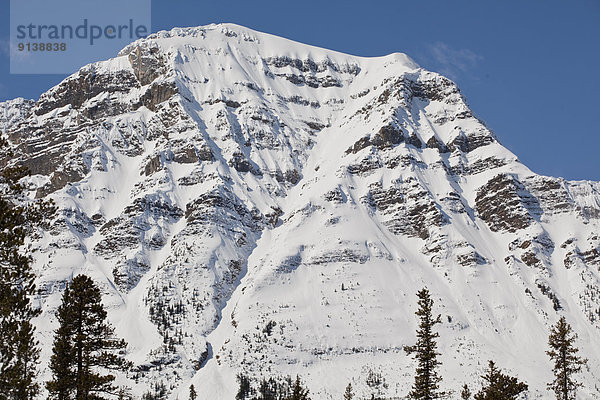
252 204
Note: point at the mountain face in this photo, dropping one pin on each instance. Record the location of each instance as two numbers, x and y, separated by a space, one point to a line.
252 204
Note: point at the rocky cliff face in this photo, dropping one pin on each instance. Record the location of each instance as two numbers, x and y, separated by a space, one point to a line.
252 204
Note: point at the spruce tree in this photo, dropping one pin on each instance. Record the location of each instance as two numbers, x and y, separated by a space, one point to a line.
298 391
19 351
193 394
426 386
348 394
61 362
85 350
124 394
267 389
465 393
284 388
498 386
566 361
245 387
158 392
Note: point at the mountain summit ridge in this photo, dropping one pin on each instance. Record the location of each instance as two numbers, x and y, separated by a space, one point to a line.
252 204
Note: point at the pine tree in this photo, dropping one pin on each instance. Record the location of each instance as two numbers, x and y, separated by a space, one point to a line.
566 361
499 386
124 394
267 389
348 394
465 393
19 351
245 388
284 388
61 362
193 394
84 346
158 392
298 391
426 386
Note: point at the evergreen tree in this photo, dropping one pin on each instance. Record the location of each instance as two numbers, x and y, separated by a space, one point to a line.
426 386
193 394
84 346
566 361
158 392
61 362
245 388
499 386
465 393
348 394
298 391
284 388
19 351
267 389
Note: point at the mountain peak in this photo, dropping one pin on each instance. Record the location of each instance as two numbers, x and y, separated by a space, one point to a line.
249 204
240 36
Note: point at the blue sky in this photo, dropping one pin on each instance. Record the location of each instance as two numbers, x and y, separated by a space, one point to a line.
528 68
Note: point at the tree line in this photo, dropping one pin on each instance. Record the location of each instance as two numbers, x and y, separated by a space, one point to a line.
19 351
496 384
86 354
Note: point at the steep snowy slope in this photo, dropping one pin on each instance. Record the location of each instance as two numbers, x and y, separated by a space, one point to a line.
251 204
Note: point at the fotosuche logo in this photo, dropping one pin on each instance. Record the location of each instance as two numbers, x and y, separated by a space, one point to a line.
60 36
